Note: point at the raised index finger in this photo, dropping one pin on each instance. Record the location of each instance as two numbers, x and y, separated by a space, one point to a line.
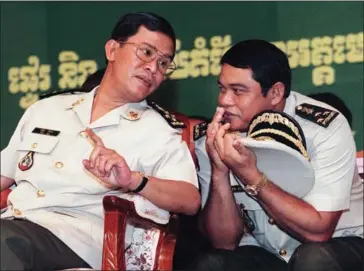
94 137
218 115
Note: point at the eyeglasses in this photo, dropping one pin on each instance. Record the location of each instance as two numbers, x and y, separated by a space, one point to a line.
147 53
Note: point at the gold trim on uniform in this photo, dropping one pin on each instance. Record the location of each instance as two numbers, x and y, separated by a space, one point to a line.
296 142
199 130
168 116
275 118
317 114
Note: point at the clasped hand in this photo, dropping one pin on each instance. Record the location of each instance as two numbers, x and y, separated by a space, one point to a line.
227 152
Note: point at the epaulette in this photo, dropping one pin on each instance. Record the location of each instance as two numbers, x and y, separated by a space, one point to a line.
317 114
168 116
62 92
199 130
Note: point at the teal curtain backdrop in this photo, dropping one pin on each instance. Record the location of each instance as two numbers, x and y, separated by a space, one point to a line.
49 46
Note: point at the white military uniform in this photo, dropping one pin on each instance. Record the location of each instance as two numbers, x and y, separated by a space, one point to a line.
337 185
57 192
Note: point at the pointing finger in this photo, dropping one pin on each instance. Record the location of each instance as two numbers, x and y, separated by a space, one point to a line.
94 138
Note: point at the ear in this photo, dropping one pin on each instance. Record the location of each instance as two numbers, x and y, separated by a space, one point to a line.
110 49
276 93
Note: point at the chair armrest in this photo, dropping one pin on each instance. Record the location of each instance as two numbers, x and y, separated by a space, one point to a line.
118 212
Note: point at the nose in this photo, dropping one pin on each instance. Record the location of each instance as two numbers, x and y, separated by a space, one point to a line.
152 66
226 99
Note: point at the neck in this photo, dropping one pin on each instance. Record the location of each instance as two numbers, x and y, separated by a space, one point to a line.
107 99
280 106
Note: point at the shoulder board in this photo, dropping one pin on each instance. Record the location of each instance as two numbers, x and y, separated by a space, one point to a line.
199 130
317 114
63 92
168 116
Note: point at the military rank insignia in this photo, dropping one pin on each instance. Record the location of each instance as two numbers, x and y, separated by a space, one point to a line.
26 162
317 114
199 130
133 115
168 116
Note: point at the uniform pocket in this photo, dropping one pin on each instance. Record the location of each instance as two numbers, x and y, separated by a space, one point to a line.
38 143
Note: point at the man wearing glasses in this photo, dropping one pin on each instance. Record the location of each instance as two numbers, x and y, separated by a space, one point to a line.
69 151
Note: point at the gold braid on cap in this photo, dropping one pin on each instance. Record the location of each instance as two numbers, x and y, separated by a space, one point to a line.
274 118
296 142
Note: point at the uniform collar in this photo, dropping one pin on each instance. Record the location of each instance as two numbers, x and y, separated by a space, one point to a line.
82 105
290 105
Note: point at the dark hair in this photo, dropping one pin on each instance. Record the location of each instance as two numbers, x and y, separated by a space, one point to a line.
268 64
336 102
93 80
128 25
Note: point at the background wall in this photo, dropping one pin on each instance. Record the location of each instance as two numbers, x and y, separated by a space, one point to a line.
55 45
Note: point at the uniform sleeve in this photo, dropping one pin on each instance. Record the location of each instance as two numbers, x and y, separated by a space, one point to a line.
204 173
333 160
9 155
171 160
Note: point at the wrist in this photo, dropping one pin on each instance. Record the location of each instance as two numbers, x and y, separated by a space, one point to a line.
218 174
135 180
218 170
251 177
138 181
255 189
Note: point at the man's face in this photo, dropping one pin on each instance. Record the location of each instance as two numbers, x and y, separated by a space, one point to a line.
135 78
240 96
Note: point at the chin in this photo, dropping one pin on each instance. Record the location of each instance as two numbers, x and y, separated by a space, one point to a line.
141 93
238 127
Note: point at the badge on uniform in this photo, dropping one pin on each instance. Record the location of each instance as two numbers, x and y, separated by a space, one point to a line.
26 162
199 130
44 131
317 114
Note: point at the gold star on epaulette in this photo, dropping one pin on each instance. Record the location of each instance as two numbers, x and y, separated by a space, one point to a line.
168 116
317 114
199 130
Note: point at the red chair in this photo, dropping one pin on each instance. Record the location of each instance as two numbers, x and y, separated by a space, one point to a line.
118 211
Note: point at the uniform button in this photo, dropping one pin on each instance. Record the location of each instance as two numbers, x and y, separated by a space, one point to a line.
271 221
83 134
283 252
40 193
34 145
59 165
242 206
17 211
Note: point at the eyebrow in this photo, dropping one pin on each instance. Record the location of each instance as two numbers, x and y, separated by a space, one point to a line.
234 84
155 48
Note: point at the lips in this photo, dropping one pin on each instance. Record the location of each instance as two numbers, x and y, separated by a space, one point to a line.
145 80
227 117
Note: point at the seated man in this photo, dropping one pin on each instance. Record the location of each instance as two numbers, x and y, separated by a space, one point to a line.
322 230
69 151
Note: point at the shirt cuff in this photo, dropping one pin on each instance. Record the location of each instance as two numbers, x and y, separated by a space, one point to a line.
329 204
